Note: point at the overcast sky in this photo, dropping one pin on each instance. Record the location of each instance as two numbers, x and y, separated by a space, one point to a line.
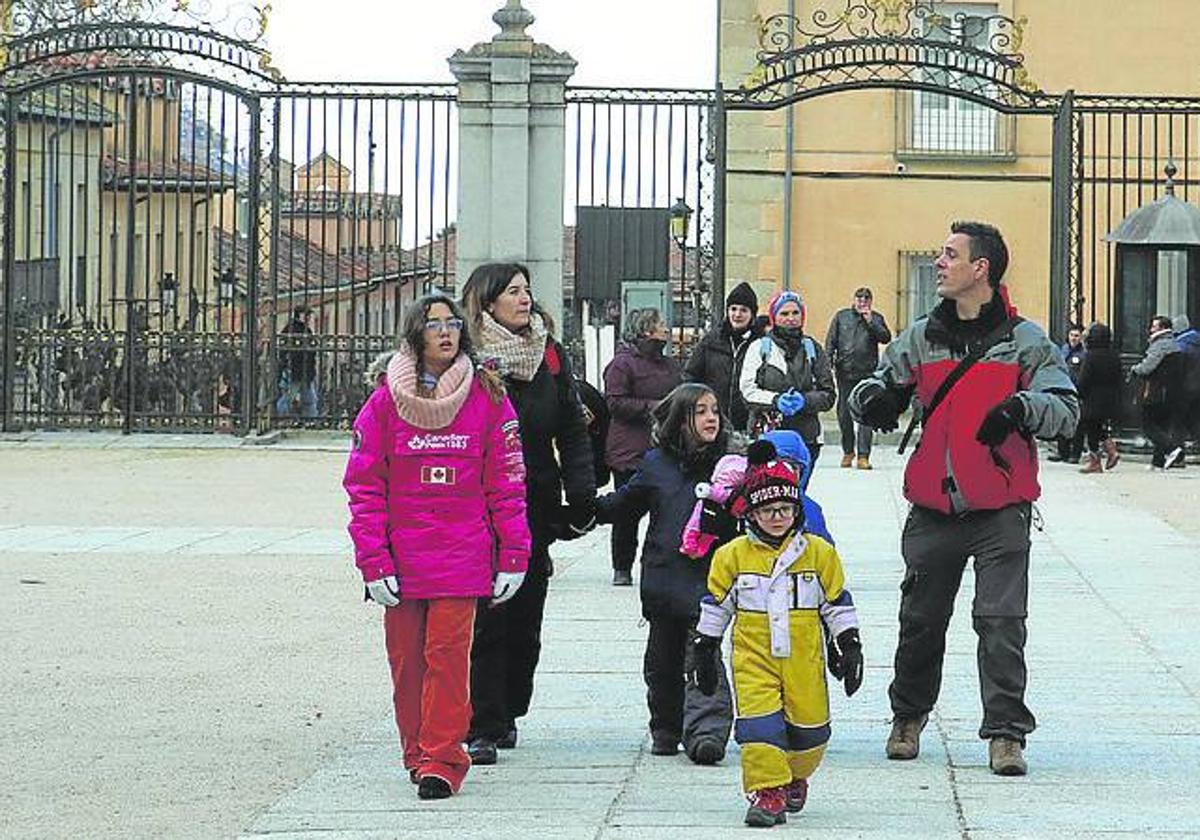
616 42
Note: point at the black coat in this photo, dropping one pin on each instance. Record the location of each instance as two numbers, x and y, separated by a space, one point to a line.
717 362
672 583
1099 384
596 405
853 344
551 419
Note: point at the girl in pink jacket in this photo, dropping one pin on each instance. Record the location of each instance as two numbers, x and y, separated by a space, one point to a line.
436 480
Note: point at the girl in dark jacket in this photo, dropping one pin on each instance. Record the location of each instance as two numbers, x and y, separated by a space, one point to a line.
514 337
689 438
1099 389
634 381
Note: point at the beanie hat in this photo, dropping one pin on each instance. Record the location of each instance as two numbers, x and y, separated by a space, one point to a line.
743 295
780 299
768 479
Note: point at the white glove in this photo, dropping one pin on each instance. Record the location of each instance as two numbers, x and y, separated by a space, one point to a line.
385 591
506 586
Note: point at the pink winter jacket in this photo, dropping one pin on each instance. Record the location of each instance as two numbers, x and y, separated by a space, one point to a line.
443 510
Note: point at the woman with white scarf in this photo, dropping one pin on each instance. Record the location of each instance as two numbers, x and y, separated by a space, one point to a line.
514 337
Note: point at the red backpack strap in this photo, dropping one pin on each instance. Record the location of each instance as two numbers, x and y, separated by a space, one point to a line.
553 362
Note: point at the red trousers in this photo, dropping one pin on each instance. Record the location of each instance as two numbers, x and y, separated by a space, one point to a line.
429 651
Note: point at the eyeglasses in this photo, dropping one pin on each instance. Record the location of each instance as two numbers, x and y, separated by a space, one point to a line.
777 511
448 324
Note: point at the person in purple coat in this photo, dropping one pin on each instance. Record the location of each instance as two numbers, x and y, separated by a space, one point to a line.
634 381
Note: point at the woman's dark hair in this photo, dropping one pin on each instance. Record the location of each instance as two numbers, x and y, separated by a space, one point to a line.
1098 335
488 282
674 428
413 335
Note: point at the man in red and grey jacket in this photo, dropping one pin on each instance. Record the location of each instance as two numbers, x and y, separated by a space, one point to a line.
972 481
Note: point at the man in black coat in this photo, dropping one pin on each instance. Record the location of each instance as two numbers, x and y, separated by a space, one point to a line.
717 359
853 346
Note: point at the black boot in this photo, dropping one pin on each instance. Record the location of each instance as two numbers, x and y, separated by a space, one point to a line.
482 751
509 741
433 787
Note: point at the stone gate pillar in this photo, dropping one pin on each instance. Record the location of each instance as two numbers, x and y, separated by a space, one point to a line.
512 154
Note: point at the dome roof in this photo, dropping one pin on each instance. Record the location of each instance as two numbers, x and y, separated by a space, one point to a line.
1167 221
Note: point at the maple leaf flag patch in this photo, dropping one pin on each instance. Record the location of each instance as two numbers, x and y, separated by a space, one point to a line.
438 475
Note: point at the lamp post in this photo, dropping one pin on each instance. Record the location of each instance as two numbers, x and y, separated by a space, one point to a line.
168 291
681 216
225 291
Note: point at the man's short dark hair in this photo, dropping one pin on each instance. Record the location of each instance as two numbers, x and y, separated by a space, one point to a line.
1163 321
863 292
986 243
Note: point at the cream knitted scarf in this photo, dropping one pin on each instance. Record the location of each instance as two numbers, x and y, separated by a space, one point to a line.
439 410
518 355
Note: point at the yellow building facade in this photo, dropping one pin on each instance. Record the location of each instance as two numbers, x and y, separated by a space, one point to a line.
879 174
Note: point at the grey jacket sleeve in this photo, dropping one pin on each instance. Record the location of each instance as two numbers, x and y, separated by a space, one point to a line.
1050 400
896 371
1155 353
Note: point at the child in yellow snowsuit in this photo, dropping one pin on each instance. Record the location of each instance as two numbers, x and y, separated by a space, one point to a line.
779 587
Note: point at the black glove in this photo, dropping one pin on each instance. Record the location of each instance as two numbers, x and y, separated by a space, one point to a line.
850 661
703 670
579 519
879 407
1000 422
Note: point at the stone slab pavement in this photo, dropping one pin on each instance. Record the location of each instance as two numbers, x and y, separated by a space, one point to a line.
1114 662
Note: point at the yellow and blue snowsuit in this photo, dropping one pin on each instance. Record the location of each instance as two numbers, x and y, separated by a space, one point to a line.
778 599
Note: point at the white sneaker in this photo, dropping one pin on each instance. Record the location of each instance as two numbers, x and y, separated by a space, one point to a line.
1173 456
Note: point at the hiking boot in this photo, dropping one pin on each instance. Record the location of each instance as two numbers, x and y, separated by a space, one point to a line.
768 808
509 741
1055 458
433 787
706 751
1111 455
1091 463
847 461
622 578
1005 759
662 743
482 751
795 795
864 463
904 744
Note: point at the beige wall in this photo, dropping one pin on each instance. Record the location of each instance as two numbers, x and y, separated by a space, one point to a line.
854 212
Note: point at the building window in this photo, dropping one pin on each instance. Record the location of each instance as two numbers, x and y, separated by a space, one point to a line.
917 289
935 124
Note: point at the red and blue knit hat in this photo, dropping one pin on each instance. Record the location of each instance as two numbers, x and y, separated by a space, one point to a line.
768 479
780 299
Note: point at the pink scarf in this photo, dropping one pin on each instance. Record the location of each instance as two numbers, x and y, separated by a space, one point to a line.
439 410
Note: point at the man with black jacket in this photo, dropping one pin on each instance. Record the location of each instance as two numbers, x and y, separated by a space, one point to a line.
972 482
717 359
853 346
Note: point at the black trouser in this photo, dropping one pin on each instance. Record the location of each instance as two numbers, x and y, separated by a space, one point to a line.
851 439
624 536
1071 448
1094 431
505 651
679 710
1162 427
936 547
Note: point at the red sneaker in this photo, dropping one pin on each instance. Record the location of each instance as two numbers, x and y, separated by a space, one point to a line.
767 808
796 794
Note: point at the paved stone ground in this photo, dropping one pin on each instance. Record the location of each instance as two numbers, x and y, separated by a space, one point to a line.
1115 682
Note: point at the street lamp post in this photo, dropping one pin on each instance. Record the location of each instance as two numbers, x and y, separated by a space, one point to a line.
681 216
225 292
168 291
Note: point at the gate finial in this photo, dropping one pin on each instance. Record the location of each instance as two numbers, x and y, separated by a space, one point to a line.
513 20
1170 171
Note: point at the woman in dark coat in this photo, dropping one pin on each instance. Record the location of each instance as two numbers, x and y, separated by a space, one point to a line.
689 436
1099 388
514 337
634 381
717 359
